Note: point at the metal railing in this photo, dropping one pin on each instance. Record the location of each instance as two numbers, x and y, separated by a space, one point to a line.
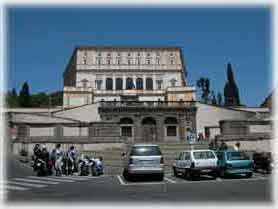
150 104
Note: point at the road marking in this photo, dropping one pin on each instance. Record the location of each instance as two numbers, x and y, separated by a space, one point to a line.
26 184
9 187
170 180
35 181
69 178
121 180
51 179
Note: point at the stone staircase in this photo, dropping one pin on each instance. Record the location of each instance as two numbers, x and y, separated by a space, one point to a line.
113 159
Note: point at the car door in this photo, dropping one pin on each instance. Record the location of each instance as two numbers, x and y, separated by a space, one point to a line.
178 161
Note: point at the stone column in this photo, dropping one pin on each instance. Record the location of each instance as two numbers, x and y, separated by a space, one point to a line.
58 134
134 81
160 128
124 82
114 82
103 82
137 128
144 82
154 82
182 127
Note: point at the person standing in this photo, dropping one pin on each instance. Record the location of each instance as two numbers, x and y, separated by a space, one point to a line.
57 156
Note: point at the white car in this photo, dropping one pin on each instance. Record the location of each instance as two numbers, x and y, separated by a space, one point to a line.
195 163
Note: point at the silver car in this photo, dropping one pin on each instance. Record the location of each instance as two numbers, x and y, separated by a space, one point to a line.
143 159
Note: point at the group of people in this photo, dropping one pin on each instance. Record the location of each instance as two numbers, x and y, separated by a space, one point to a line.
55 158
215 145
66 162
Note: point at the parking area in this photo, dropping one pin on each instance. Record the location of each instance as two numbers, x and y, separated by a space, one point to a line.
170 179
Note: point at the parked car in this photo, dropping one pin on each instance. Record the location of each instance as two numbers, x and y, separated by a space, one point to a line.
234 162
143 159
195 163
263 161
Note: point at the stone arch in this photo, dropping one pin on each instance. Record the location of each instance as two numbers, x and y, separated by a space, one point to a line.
119 83
109 84
139 83
149 83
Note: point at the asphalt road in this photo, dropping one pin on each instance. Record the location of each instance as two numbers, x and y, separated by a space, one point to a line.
21 185
108 189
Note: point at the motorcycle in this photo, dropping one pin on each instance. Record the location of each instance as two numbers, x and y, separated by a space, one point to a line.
96 167
41 167
84 165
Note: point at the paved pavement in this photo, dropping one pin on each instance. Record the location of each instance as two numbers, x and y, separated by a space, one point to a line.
21 185
115 188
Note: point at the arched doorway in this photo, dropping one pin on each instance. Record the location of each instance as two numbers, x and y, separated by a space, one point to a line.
149 129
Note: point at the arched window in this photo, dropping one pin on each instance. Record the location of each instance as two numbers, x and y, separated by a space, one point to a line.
109 84
119 84
139 83
148 121
129 83
149 84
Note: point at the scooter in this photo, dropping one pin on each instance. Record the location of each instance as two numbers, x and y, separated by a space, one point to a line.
84 165
40 167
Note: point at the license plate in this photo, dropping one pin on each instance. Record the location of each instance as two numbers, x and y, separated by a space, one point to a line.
206 170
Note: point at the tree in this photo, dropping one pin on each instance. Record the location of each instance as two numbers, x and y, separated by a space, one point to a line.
231 93
219 99
11 98
204 85
39 100
56 98
213 98
24 96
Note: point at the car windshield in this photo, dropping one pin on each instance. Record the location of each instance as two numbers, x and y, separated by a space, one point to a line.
145 151
236 156
203 155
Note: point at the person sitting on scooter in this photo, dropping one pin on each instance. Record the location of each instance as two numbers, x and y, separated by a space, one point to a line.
36 152
46 158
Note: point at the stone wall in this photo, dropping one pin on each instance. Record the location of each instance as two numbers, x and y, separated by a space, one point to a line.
210 115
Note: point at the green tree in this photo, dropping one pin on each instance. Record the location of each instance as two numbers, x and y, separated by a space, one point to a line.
204 85
56 98
24 99
213 98
231 93
11 98
219 99
39 100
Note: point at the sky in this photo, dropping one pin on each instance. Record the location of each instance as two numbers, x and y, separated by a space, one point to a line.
40 41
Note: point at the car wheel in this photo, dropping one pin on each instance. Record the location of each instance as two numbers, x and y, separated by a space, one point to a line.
187 174
249 175
214 175
126 175
161 177
175 171
222 173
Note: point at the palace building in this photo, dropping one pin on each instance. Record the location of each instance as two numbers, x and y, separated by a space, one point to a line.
97 74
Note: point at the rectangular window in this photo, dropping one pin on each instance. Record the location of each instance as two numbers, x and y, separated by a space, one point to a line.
98 84
171 131
127 131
